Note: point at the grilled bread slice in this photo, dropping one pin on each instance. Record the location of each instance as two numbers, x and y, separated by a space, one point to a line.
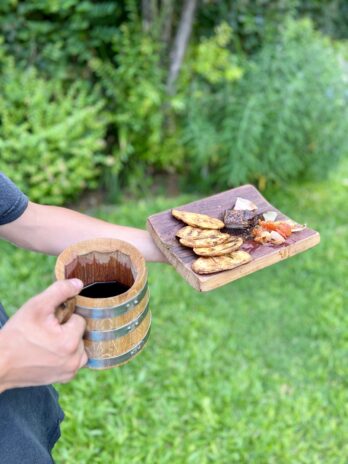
198 220
220 263
192 233
205 242
232 244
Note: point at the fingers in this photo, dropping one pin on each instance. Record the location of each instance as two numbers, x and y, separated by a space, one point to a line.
76 326
59 292
74 350
76 362
83 356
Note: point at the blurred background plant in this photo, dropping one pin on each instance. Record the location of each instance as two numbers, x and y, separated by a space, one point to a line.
112 95
286 117
51 137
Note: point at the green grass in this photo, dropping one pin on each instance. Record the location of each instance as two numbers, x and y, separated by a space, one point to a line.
254 372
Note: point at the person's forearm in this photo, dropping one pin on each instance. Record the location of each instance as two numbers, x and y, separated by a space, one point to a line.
50 229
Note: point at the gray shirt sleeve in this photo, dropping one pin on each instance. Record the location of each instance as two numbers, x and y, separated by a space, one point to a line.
12 201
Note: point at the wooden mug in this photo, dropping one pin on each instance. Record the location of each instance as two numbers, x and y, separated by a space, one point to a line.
117 326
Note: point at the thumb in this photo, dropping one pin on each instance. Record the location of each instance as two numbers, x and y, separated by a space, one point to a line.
59 292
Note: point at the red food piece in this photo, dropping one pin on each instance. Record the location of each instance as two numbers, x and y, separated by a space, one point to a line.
282 228
268 225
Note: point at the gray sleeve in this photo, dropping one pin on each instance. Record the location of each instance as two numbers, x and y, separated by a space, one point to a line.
12 201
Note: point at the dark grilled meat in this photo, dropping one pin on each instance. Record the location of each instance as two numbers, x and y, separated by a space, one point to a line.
241 222
239 219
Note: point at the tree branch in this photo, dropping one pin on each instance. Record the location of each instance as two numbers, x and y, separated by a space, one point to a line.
148 12
167 12
180 43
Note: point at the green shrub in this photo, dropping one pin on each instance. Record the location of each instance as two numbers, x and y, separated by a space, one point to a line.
133 83
59 37
286 118
51 140
254 20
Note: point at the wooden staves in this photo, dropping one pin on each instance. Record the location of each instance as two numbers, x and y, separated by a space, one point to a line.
118 326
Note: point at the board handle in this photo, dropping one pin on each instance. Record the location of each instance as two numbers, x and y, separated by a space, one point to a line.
64 311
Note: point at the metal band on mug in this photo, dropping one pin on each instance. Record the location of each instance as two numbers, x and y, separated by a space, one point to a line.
114 361
98 335
114 311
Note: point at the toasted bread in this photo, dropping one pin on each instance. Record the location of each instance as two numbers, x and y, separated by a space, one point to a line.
192 233
198 220
205 242
232 244
220 263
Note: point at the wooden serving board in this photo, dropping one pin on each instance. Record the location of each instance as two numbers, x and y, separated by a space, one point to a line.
163 227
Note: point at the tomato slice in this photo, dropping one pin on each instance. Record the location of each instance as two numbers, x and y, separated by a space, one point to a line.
282 228
268 225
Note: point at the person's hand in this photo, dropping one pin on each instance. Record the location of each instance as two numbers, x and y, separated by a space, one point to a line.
34 348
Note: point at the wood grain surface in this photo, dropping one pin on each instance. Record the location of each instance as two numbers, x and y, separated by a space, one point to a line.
163 227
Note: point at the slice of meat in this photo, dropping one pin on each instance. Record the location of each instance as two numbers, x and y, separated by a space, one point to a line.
235 219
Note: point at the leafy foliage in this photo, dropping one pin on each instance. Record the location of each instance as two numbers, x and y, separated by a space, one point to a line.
51 139
133 85
255 20
58 37
277 122
213 60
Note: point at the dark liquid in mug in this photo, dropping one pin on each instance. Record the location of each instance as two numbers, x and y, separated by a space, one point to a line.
104 289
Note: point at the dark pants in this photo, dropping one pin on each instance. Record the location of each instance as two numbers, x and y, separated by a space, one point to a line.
29 422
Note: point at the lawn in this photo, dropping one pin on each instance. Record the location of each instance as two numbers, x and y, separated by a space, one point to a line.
254 372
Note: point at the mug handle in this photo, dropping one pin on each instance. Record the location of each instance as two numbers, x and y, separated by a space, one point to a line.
64 311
